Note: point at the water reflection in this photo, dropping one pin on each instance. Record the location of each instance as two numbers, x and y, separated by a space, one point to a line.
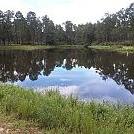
86 73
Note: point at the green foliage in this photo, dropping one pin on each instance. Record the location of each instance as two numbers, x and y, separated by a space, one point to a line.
15 29
115 48
59 114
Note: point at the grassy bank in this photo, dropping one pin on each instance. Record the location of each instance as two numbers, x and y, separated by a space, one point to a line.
55 114
114 48
35 47
104 47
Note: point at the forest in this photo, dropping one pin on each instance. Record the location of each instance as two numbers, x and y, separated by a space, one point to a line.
17 29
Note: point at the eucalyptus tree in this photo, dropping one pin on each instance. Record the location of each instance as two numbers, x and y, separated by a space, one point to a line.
122 25
79 36
99 32
59 34
20 27
84 34
32 26
48 30
39 32
130 18
89 33
108 23
69 32
7 26
2 38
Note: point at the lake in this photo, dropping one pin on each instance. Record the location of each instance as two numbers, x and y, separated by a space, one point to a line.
84 73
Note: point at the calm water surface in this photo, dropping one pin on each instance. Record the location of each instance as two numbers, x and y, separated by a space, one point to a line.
84 73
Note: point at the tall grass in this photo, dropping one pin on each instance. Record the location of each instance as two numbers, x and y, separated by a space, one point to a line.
58 114
114 48
37 47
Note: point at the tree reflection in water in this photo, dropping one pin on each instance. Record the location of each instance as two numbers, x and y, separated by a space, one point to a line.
17 65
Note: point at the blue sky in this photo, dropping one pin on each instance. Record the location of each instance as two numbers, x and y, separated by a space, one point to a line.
78 11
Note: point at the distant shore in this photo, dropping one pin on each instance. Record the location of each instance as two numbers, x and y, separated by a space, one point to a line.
114 48
103 47
36 47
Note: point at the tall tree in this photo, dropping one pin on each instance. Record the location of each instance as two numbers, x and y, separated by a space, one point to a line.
48 30
32 25
2 38
20 26
7 28
60 34
69 32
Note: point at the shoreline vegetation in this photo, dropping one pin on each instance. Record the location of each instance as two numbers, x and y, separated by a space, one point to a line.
102 47
114 48
15 28
36 47
52 113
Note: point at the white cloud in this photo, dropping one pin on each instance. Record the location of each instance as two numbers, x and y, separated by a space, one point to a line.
13 5
82 11
78 11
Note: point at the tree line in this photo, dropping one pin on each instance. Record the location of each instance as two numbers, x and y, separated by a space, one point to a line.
17 29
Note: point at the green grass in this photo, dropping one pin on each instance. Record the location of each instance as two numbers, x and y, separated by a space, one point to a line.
106 47
24 47
35 47
114 48
56 114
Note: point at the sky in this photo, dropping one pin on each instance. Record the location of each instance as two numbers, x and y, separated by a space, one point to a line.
77 11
